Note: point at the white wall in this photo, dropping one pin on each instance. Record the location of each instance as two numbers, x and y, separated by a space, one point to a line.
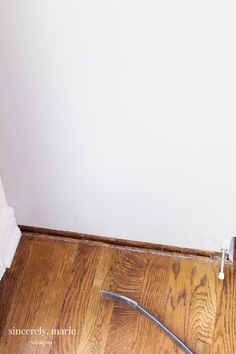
118 117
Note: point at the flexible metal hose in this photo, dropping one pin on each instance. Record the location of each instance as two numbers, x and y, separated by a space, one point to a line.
134 305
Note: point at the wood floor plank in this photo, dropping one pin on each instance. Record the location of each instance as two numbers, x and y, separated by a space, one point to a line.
224 340
98 315
202 311
123 321
76 301
190 308
148 337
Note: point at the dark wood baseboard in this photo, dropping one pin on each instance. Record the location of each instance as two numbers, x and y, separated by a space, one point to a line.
119 242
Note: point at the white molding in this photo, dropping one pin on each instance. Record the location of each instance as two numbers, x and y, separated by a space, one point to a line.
9 238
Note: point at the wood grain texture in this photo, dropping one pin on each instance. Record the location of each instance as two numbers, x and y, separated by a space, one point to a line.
54 283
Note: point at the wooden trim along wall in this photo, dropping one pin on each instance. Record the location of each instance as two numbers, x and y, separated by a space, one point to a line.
119 242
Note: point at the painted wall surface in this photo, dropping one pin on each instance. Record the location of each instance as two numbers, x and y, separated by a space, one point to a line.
118 117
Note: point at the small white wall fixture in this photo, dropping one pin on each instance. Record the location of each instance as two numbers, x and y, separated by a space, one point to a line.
9 233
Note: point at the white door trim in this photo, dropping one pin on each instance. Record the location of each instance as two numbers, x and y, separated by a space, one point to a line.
9 233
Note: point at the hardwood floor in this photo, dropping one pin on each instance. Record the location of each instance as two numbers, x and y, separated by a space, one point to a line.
54 283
